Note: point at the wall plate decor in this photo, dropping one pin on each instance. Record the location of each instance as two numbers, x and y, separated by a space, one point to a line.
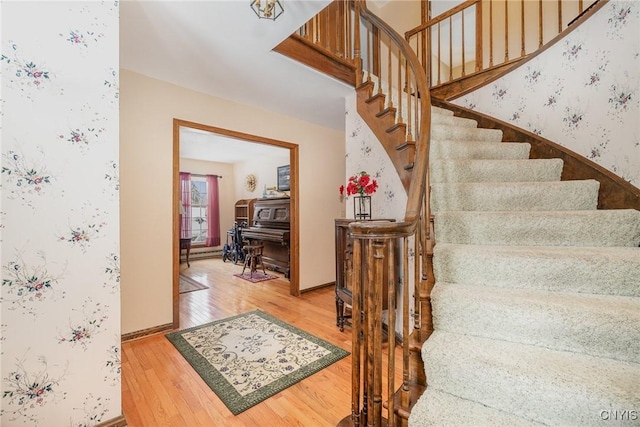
250 182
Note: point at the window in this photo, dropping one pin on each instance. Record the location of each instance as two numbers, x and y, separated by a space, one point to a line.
199 201
200 209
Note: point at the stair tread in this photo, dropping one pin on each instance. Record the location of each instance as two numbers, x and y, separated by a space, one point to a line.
594 270
592 227
492 196
443 149
585 253
526 184
599 325
447 132
491 170
548 386
499 162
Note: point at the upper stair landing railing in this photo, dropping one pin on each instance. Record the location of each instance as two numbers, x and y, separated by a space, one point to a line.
331 30
480 35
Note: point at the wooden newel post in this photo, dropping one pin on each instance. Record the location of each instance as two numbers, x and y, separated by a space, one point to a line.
366 279
356 340
354 281
375 259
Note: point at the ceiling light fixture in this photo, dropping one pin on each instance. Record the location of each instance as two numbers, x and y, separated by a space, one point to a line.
271 10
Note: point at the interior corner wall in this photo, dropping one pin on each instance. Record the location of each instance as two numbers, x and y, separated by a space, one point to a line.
582 92
264 168
147 109
401 15
60 359
365 153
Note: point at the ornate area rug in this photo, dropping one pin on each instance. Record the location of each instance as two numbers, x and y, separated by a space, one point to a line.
257 276
250 357
187 284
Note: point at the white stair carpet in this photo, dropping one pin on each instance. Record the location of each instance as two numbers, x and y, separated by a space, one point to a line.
536 305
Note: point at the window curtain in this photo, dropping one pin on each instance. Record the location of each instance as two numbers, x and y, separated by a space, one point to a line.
185 202
213 211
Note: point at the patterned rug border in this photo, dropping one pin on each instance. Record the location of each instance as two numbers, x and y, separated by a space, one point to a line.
199 286
225 391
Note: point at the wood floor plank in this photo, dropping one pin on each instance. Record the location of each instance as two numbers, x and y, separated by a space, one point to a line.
160 388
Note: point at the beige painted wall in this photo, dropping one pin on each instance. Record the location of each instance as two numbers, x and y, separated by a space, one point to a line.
147 110
402 15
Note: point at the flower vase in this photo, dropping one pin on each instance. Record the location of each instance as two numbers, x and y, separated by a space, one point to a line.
362 207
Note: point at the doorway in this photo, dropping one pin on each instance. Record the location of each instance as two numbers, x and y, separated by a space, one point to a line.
294 279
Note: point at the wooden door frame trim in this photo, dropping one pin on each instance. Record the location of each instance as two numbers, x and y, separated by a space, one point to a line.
294 244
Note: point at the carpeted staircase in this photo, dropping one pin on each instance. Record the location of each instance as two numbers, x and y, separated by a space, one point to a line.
536 306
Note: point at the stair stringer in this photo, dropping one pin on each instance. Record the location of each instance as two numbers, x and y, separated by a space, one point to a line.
384 127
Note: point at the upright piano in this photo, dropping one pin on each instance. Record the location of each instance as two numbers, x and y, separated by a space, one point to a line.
270 227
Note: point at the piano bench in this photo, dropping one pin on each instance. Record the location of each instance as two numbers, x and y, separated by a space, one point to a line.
253 258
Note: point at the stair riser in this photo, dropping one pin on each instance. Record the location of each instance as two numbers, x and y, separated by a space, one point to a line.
569 228
437 111
479 150
581 270
602 326
444 132
546 386
437 409
565 195
495 170
441 119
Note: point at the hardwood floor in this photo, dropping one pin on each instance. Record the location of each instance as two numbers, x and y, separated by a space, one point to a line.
159 387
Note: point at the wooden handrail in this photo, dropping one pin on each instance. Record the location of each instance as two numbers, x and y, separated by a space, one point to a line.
419 173
374 242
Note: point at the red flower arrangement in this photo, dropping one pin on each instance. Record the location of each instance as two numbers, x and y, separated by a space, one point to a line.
359 184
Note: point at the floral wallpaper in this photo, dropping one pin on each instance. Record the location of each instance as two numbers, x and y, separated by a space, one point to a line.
365 153
59 214
582 93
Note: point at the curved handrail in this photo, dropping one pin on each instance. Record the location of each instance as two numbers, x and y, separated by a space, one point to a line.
374 243
419 172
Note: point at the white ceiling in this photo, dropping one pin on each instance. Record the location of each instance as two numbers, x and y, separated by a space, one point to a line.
220 47
202 145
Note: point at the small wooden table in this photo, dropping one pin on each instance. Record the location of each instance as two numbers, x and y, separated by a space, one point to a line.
186 244
344 253
253 259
